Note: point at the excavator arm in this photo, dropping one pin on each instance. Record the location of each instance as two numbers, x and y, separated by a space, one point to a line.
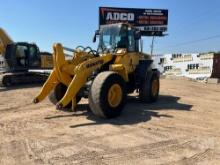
73 74
4 40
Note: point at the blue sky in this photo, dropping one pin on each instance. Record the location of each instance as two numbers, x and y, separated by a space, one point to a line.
73 23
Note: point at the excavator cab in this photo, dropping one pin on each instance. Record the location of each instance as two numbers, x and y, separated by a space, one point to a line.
117 36
22 56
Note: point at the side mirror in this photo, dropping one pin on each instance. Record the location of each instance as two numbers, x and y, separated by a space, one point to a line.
96 33
137 35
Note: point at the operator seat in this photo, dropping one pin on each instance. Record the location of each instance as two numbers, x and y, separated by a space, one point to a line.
122 43
21 57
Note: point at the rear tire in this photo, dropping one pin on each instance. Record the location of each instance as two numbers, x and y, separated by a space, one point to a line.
149 89
107 95
57 94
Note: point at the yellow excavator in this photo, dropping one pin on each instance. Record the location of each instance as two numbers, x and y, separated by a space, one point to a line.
105 76
21 62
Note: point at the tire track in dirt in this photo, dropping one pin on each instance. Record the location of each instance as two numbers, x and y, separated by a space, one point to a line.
180 129
15 107
23 107
89 141
150 151
14 152
206 155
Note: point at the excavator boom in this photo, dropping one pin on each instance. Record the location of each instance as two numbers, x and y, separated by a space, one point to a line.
5 39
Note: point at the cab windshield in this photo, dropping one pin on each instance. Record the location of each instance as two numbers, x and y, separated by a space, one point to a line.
112 37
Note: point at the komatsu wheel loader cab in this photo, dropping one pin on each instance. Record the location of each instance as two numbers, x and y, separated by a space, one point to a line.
104 76
118 36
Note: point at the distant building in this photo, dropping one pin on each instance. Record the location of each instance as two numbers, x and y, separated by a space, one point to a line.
196 65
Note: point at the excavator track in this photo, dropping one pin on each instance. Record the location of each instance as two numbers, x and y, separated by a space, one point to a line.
11 79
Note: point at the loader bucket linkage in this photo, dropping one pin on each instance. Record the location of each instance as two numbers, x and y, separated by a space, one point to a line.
71 73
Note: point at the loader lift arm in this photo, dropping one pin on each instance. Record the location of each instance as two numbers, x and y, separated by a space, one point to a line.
72 73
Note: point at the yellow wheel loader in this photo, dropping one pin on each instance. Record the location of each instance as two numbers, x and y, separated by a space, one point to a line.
105 76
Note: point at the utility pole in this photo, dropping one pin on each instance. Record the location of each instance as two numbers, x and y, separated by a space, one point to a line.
152 45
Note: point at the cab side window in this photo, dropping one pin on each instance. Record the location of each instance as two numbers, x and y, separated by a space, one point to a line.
34 60
21 55
33 52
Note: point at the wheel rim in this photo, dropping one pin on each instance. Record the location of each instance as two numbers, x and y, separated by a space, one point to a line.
155 87
114 95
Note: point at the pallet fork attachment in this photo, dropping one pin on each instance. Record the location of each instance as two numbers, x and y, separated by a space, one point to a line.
72 73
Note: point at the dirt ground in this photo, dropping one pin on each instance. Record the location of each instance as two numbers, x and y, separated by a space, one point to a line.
183 127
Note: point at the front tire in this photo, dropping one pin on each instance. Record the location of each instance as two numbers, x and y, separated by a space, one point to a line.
57 94
107 95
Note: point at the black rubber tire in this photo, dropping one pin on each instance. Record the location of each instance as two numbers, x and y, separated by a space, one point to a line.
57 94
98 95
145 91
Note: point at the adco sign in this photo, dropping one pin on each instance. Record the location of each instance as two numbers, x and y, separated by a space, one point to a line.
149 21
